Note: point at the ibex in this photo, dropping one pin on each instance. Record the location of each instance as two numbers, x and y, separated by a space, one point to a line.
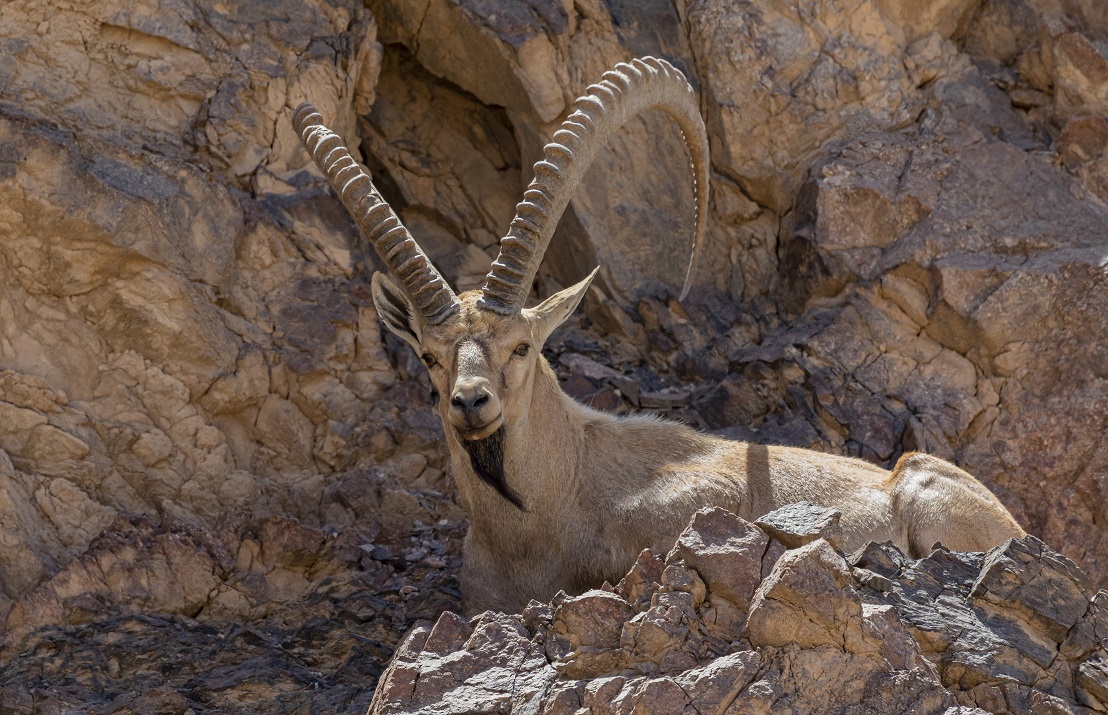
561 496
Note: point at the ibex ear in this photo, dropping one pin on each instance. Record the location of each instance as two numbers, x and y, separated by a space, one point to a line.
396 311
553 311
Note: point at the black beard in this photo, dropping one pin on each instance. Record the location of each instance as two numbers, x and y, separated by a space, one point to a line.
486 456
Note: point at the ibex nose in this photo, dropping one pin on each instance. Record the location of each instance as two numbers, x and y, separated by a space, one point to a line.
470 397
471 401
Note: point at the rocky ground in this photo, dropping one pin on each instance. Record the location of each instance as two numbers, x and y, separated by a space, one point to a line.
221 485
742 618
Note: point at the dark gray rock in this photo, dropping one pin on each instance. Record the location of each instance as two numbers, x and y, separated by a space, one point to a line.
802 523
1044 587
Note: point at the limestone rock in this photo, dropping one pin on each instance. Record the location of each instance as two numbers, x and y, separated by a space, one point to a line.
913 636
1083 146
725 551
586 620
781 83
805 601
946 322
1081 74
498 668
642 581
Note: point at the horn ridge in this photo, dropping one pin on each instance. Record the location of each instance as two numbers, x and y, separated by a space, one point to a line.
392 241
622 93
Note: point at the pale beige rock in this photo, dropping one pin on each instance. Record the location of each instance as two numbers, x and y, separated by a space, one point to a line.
782 80
806 601
183 69
26 553
76 517
247 386
918 19
519 672
147 301
18 424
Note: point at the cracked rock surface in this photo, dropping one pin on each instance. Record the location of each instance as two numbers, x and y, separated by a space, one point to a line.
222 487
1015 630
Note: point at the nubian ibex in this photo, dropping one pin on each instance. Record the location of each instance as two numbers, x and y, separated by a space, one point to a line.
561 496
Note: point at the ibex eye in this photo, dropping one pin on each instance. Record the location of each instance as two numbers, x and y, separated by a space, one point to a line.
522 350
428 359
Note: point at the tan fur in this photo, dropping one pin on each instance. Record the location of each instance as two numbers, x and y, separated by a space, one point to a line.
599 489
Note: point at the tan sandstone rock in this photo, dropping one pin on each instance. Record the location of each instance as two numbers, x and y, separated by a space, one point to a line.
190 360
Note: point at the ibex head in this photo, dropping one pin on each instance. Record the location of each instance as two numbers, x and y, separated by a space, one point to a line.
482 349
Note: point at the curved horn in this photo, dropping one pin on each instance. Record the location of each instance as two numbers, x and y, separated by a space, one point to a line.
620 95
403 256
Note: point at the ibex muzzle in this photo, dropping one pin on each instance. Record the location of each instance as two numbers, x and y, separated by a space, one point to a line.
562 497
474 407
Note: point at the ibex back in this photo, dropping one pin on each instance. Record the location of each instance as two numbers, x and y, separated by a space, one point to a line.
560 496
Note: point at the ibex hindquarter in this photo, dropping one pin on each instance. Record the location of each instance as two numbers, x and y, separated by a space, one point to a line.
559 496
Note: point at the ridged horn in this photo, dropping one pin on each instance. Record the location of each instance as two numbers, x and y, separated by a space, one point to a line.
621 94
403 256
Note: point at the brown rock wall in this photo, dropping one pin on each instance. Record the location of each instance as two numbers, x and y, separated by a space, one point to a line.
905 251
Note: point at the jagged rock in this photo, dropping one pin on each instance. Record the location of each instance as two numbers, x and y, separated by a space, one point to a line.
642 581
1083 146
585 620
586 633
996 653
265 640
806 601
1092 683
953 321
802 523
488 665
1026 576
949 633
725 551
1081 75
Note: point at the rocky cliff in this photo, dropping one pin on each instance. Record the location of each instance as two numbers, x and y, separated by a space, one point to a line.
221 486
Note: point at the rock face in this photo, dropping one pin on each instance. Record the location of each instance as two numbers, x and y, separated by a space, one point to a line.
1012 631
204 431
